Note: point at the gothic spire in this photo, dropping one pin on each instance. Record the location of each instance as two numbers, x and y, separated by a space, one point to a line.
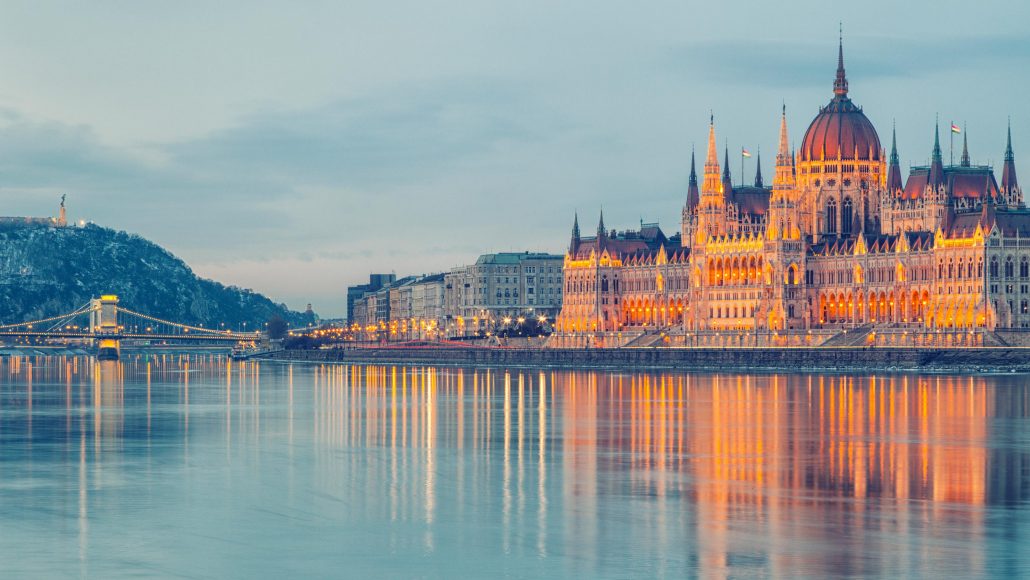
783 156
840 84
758 169
1008 172
727 179
712 159
574 244
693 195
1008 144
936 163
894 168
600 225
783 178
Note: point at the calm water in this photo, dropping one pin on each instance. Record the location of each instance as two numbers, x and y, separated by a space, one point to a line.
204 468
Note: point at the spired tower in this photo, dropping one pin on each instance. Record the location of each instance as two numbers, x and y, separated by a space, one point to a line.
688 223
784 248
711 210
841 168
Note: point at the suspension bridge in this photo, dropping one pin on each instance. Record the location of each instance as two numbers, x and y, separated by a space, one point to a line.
105 324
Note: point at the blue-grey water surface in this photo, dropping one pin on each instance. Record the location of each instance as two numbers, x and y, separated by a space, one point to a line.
170 466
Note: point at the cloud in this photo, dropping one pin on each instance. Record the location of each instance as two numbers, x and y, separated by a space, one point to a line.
778 63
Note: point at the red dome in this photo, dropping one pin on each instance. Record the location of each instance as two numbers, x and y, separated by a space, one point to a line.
843 127
840 127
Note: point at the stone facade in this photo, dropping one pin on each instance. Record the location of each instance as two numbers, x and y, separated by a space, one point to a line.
837 251
498 286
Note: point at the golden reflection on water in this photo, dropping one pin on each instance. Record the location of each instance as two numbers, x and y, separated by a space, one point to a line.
751 449
713 461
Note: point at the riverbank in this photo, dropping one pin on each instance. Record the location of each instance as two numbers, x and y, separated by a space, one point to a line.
842 359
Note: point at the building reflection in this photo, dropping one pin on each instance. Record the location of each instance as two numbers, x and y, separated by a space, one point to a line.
718 474
722 460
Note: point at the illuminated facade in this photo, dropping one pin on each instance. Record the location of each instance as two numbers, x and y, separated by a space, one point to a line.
838 250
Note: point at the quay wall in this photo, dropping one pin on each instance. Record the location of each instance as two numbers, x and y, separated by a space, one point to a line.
843 359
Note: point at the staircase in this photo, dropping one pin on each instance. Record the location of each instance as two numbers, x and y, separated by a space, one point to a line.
851 337
652 337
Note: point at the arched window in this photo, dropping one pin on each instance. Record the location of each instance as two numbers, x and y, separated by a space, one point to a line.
994 267
846 216
1009 268
831 216
1024 268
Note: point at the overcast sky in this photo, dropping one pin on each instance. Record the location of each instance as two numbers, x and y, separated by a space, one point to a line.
294 147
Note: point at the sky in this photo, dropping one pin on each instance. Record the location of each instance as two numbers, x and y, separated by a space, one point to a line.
296 147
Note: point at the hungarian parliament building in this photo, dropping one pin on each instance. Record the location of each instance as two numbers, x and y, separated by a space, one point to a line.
840 250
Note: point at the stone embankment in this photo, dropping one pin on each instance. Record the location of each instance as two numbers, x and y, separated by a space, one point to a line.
844 359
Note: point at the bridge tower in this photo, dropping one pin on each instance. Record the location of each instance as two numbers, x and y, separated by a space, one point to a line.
103 324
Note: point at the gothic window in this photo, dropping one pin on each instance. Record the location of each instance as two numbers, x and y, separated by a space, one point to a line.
1024 268
831 216
1009 268
846 216
994 267
980 268
604 284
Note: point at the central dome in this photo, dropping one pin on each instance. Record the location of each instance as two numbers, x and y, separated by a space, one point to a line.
840 128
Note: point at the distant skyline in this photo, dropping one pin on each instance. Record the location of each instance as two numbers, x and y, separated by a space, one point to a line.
294 149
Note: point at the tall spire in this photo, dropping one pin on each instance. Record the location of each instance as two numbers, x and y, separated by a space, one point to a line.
574 244
936 141
693 195
712 183
936 163
894 168
1009 184
964 162
783 179
727 179
783 155
1008 143
600 225
758 169
840 84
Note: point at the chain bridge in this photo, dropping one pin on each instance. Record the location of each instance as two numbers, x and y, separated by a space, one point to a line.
105 323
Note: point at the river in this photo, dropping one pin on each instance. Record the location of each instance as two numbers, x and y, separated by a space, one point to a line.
196 466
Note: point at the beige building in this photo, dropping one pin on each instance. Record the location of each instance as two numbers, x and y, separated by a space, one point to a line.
839 250
481 296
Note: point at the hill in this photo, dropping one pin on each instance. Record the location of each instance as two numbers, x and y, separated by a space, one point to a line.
48 270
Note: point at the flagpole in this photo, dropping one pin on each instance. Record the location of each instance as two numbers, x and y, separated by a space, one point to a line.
951 148
742 180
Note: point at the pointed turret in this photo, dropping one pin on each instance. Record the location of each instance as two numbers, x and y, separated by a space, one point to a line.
936 163
574 244
600 225
727 178
840 84
783 154
964 162
783 179
1008 172
894 168
758 169
712 183
693 194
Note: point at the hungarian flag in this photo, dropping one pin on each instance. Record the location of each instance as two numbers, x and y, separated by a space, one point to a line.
955 129
745 152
